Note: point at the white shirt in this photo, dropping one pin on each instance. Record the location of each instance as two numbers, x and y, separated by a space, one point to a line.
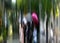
35 35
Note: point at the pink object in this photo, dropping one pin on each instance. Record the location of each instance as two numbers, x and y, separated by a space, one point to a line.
35 18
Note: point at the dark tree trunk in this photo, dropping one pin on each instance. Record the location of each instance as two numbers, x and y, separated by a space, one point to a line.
47 30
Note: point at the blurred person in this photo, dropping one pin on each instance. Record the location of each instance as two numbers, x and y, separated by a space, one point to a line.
22 27
22 30
24 24
29 33
35 24
29 28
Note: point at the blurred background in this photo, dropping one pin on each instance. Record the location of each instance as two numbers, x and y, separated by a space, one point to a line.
12 13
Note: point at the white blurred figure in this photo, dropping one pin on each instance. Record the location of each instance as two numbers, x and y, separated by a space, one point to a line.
35 35
51 34
21 29
42 32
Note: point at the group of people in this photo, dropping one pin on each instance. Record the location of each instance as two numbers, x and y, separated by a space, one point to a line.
28 28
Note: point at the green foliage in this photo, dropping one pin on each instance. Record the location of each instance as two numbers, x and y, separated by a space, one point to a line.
35 6
19 3
4 34
46 6
49 5
0 11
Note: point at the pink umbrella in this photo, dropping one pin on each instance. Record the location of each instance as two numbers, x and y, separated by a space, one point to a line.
34 18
